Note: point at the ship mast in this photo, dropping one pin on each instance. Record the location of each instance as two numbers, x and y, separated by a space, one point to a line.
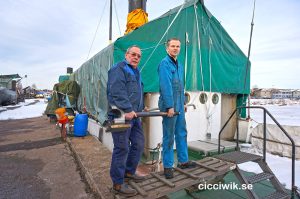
136 4
110 22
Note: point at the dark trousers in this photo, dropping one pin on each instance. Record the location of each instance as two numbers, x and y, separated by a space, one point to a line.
128 148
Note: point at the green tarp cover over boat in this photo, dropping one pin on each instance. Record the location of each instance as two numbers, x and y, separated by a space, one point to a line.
70 89
212 60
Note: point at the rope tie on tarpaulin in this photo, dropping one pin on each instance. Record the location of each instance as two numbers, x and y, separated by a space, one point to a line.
199 50
158 43
199 45
185 58
209 111
142 49
187 41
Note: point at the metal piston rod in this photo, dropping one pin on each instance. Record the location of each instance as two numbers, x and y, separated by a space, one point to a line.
119 123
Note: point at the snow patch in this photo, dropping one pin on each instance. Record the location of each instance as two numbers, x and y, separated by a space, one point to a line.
24 110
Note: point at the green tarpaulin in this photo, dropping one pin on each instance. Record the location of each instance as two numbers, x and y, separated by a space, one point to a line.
67 89
212 60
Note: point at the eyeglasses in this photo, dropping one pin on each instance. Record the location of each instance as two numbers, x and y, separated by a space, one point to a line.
135 54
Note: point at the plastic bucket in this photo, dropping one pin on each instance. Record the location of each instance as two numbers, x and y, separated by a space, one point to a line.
80 125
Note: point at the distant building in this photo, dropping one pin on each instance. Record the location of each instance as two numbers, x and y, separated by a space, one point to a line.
262 93
272 93
29 92
282 94
6 81
11 89
296 94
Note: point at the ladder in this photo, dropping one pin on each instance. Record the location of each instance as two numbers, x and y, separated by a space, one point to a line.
238 157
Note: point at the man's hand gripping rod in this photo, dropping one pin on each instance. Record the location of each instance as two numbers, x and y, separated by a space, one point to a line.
119 122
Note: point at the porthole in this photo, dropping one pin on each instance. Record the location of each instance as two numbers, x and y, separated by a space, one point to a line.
203 98
215 98
187 98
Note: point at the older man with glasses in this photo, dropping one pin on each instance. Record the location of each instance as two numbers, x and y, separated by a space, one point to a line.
125 91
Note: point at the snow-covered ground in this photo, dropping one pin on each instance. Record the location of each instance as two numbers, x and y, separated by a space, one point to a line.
281 166
23 110
286 112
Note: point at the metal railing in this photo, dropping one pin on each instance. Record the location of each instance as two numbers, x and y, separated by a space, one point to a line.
265 112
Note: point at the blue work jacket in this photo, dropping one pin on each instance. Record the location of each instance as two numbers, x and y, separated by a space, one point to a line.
171 85
125 88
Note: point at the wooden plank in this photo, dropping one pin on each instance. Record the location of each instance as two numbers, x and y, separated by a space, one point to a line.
206 160
186 173
165 181
214 161
179 176
199 173
149 181
207 167
219 165
137 188
149 188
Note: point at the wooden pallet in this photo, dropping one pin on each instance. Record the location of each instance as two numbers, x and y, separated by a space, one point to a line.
157 186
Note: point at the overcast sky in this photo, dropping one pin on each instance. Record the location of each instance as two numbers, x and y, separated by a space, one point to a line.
41 38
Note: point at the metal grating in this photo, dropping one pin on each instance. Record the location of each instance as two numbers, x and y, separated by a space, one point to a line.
277 195
259 177
238 157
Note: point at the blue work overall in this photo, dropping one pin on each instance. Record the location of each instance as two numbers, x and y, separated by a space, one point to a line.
125 91
172 96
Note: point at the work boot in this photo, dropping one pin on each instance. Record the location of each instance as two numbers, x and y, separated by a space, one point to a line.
134 177
124 190
186 165
168 172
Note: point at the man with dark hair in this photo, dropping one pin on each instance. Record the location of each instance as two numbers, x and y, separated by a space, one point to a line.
171 100
125 91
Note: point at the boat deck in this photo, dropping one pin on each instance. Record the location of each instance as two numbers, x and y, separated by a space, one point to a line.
94 161
210 146
157 186
262 189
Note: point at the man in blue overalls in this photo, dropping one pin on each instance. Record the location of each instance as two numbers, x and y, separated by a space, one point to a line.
171 100
125 91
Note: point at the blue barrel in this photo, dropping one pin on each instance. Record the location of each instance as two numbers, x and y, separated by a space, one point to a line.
80 125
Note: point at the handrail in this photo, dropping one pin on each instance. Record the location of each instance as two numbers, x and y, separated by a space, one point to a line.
265 112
